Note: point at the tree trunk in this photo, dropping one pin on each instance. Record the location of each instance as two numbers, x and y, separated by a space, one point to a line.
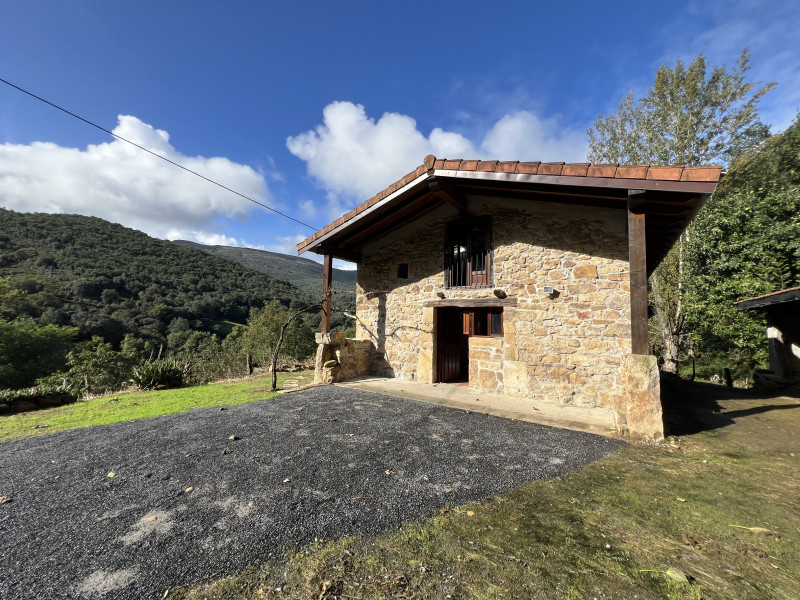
671 347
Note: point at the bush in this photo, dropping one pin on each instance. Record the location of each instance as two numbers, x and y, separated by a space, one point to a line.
45 394
165 373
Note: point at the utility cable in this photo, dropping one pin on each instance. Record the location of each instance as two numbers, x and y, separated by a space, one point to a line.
172 162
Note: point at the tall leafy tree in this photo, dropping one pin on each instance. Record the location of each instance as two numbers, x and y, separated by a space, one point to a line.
745 242
688 117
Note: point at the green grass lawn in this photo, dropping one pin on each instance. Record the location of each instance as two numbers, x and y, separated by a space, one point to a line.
714 515
139 405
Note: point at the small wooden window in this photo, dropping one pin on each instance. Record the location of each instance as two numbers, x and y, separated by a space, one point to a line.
468 253
484 322
402 271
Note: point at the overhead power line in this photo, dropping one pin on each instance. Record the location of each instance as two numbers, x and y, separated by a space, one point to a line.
172 162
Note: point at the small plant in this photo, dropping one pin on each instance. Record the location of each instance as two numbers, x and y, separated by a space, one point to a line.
163 373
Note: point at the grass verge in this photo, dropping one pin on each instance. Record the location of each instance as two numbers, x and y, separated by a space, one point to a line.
129 406
713 515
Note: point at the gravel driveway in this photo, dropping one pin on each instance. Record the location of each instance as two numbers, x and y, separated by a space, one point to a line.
316 464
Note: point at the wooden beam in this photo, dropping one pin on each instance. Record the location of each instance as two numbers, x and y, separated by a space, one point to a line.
637 257
449 194
327 292
342 253
470 303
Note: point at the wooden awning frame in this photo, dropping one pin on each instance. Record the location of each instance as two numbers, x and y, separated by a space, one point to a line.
668 206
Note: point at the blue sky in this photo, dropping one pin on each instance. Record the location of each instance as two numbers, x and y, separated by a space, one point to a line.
312 107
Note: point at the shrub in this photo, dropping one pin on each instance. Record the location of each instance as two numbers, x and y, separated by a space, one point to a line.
166 372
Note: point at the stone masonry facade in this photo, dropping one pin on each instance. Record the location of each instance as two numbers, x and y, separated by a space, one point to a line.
566 348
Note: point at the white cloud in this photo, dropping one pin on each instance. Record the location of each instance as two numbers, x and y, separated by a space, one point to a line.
308 210
209 238
524 136
123 184
353 156
286 244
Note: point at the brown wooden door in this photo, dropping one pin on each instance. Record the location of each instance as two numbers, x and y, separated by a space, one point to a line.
452 346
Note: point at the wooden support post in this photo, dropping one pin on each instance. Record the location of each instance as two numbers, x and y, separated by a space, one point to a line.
637 256
327 292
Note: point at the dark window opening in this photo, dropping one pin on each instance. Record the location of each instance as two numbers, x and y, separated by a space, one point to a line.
468 253
484 321
402 271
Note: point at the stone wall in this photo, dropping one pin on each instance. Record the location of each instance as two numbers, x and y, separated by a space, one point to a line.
565 349
341 359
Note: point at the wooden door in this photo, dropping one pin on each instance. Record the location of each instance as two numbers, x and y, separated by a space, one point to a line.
452 346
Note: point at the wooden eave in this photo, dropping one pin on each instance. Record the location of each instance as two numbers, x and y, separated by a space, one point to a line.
669 204
788 296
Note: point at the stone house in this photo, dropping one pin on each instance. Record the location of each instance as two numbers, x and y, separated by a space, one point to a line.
524 278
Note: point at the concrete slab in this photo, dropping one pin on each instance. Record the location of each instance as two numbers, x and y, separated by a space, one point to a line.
578 418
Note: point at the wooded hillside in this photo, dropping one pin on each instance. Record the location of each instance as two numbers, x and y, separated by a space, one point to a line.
302 272
109 280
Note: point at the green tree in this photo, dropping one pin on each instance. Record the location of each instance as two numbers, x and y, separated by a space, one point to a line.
688 117
745 242
270 327
94 367
29 351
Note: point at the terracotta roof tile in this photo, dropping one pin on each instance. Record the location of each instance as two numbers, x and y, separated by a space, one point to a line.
709 174
507 166
575 169
632 171
665 173
532 168
601 170
553 168
701 173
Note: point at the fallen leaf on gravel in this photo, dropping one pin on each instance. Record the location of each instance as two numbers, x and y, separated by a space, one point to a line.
676 575
287 480
233 438
4 499
227 451
331 419
189 489
111 474
759 530
442 510
389 472
447 491
152 518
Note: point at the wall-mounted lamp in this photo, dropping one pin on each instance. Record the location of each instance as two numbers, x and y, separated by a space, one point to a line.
440 294
549 291
500 294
